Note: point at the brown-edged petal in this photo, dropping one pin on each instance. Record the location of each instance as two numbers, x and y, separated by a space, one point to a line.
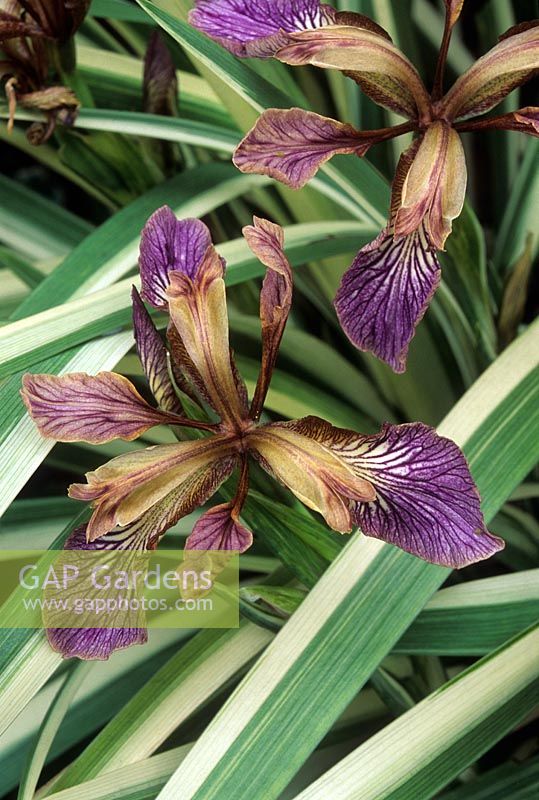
266 240
426 501
312 467
525 120
290 145
122 490
389 76
197 306
509 64
153 356
90 408
434 188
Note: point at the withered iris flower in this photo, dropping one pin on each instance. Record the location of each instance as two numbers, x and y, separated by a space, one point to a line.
386 291
405 485
34 38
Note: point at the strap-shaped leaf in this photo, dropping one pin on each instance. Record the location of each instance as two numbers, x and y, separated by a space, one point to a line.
419 753
357 611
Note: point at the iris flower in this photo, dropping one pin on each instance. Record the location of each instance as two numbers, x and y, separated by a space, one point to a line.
405 485
387 289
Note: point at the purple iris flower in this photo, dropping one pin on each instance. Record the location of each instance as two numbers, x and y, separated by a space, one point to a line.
388 287
405 485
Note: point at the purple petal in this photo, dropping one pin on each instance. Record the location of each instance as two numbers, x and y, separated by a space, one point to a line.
168 243
94 643
385 293
427 503
89 408
153 356
237 23
219 529
290 145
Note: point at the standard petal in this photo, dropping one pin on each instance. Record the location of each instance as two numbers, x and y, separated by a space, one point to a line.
167 244
427 502
311 468
122 490
291 145
385 293
379 67
91 644
153 356
266 240
197 306
90 408
509 64
257 27
434 189
220 529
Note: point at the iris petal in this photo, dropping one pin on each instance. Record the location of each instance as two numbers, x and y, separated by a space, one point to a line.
89 408
256 27
153 356
220 529
385 293
290 145
427 502
167 244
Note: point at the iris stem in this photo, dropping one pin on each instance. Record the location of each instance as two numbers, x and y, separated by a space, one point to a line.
438 88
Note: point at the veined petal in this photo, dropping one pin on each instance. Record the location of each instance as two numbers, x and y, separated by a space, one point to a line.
91 643
508 65
266 240
220 529
385 293
153 356
390 78
169 243
197 306
434 188
87 408
122 490
427 502
313 470
290 145
257 27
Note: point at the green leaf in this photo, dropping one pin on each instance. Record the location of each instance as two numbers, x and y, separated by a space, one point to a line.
187 681
423 750
357 611
36 227
49 729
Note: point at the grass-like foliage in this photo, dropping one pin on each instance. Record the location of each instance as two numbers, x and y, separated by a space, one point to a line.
359 671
